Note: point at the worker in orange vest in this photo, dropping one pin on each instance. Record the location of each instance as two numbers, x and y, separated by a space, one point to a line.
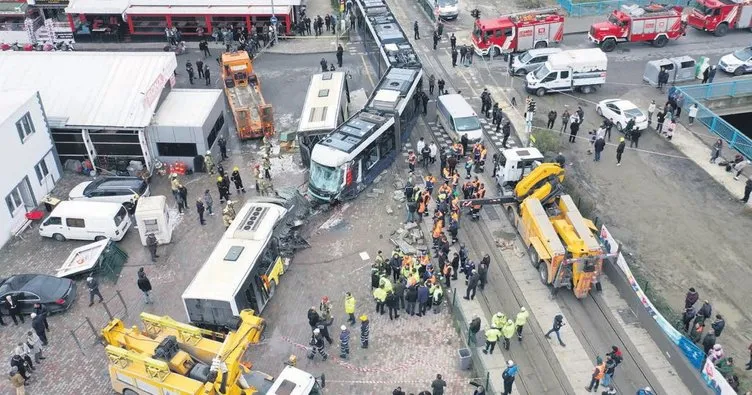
455 180
411 160
445 188
426 199
438 229
483 154
430 183
598 372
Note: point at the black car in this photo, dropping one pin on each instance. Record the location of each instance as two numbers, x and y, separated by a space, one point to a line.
123 190
57 294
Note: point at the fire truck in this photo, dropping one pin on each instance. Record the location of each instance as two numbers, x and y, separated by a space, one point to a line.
518 32
654 23
718 16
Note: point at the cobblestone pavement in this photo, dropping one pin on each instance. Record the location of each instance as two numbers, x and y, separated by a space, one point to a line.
408 351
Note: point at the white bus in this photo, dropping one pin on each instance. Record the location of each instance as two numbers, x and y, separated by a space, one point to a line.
326 106
242 272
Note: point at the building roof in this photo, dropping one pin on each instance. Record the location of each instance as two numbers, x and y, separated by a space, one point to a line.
186 107
97 7
174 6
91 89
10 101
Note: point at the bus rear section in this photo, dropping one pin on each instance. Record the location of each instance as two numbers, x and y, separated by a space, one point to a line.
243 270
458 118
326 106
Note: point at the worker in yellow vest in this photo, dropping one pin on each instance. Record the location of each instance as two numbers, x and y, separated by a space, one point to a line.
379 294
385 284
508 332
492 336
520 321
498 320
350 308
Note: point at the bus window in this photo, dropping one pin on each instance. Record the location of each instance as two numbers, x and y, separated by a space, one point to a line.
386 144
372 157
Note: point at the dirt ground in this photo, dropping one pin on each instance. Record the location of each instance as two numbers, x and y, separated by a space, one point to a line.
678 226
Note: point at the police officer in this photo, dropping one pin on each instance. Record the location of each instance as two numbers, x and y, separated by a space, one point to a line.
492 336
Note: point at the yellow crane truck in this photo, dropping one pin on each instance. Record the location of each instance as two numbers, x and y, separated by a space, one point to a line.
560 242
172 358
253 117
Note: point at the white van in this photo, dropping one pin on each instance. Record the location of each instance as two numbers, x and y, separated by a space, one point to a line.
458 118
531 60
448 9
86 220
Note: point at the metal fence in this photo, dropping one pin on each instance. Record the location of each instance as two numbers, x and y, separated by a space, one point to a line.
715 124
575 8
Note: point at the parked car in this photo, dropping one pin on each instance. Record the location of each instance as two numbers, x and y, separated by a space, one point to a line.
531 60
123 190
738 62
621 111
57 294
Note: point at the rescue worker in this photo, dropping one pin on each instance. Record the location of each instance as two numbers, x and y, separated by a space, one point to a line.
598 372
411 160
226 219
498 320
379 295
520 321
151 244
344 342
237 180
508 332
175 186
326 310
350 308
492 336
224 193
438 296
508 377
209 162
317 341
364 331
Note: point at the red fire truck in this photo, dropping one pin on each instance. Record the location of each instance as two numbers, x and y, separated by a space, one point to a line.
518 32
654 23
718 16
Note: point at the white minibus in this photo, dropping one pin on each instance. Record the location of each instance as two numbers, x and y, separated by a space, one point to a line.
86 220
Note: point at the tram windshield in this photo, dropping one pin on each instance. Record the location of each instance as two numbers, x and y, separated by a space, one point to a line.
325 178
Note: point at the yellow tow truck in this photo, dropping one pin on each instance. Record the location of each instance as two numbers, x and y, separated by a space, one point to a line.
172 358
560 242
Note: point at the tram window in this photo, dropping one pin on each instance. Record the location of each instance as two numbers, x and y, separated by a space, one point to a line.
386 143
372 157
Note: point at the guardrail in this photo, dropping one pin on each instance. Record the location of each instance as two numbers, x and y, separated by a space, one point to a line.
575 8
719 90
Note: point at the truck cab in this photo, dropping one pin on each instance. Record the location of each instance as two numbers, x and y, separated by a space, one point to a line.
616 27
493 36
718 16
513 165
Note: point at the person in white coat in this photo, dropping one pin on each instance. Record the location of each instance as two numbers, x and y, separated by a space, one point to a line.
434 152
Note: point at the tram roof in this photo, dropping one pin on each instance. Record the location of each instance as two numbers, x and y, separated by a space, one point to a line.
348 136
118 90
392 39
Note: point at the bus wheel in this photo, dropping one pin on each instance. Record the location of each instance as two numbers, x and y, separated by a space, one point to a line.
272 288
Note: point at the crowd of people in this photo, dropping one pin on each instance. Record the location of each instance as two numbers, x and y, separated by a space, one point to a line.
696 325
28 351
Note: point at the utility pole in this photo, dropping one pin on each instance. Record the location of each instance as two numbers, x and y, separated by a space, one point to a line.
529 114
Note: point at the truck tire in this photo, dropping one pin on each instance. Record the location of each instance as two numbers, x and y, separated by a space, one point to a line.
721 30
587 89
511 215
608 45
129 392
543 273
540 92
272 288
496 52
541 44
534 259
660 41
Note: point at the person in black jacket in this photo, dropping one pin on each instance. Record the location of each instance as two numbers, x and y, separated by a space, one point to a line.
41 310
691 298
399 292
411 298
483 270
556 327
473 330
718 325
313 317
704 312
144 285
620 150
392 303
14 310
